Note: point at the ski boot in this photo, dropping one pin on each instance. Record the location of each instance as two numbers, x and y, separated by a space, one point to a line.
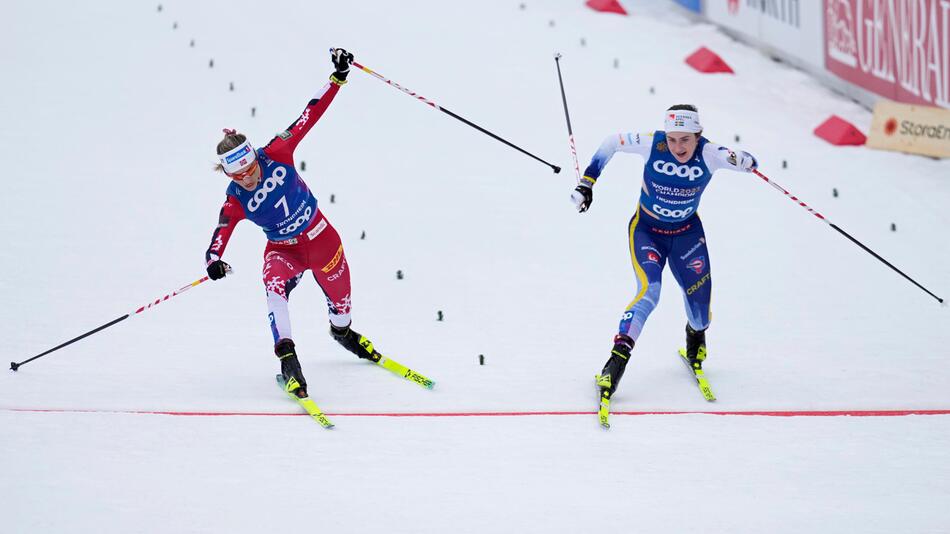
290 368
695 347
609 378
355 343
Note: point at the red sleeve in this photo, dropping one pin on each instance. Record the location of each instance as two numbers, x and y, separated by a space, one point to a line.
282 147
231 214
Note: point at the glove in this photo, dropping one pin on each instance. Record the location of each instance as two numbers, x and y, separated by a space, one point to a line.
217 269
582 197
341 63
747 162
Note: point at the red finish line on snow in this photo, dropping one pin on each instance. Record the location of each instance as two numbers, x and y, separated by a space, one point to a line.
763 413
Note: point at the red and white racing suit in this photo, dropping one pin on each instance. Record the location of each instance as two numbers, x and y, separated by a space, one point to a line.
299 236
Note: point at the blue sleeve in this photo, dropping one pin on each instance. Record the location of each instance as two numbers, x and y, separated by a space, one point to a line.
624 142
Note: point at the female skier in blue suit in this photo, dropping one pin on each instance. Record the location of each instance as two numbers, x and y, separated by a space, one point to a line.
665 227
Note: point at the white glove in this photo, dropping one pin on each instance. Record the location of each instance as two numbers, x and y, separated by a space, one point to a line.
747 162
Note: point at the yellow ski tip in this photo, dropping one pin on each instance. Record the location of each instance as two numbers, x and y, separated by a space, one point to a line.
603 414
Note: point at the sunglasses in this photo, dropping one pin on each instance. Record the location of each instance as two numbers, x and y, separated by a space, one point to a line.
240 176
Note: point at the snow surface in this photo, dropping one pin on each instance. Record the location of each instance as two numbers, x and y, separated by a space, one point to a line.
109 121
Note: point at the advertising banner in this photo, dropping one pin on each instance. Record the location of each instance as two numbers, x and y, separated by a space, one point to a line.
899 49
792 27
915 129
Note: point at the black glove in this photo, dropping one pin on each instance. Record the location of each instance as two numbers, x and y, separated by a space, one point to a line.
341 63
582 197
217 269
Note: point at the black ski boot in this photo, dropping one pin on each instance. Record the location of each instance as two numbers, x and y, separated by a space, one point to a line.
695 347
290 368
609 378
355 343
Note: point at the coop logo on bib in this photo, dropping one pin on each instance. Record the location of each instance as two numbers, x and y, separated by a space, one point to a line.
672 169
674 214
274 180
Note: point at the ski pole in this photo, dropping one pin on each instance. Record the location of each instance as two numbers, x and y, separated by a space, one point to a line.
14 365
842 232
424 100
567 115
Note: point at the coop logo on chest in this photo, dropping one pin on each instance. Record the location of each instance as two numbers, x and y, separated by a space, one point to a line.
271 183
672 169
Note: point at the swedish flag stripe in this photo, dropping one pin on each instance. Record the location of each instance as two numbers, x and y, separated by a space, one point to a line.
641 274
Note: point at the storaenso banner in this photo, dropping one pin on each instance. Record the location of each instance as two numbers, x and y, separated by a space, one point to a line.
790 27
895 48
914 129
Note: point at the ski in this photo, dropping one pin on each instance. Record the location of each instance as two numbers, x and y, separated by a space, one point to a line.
393 366
401 370
700 377
603 413
307 404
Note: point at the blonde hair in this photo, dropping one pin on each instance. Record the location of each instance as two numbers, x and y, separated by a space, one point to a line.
231 140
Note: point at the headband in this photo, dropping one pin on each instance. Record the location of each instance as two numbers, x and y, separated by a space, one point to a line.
238 157
683 120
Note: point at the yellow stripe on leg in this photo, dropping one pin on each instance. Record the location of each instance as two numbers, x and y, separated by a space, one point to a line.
637 269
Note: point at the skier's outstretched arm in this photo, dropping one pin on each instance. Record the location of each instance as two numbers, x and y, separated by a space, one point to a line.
282 147
637 143
231 214
719 157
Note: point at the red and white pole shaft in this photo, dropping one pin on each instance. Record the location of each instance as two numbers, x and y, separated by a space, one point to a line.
567 115
170 295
